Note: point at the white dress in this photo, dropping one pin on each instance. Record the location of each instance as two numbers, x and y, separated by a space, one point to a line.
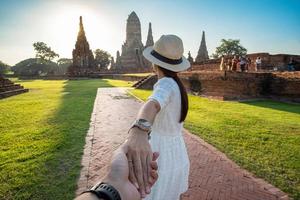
167 139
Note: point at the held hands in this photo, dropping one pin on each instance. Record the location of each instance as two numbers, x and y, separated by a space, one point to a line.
118 176
139 155
119 172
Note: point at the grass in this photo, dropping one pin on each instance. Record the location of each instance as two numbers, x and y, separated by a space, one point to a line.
261 136
42 134
138 74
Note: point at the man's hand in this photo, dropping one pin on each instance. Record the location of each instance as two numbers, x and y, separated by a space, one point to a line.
119 172
118 176
139 157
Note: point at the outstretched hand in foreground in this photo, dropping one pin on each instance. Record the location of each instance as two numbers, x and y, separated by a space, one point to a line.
118 176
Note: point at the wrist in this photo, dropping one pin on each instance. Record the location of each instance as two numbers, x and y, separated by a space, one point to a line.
118 184
106 190
143 125
138 133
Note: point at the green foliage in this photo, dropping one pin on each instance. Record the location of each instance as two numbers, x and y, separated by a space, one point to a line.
44 52
42 137
4 68
261 136
230 48
34 67
63 65
102 58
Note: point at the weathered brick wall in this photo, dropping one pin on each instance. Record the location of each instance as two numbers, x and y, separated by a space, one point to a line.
268 62
237 85
286 85
212 65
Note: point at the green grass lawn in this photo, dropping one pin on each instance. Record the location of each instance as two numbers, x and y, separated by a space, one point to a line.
261 136
138 74
42 134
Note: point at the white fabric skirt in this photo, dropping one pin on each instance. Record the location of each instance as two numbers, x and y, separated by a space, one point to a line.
173 167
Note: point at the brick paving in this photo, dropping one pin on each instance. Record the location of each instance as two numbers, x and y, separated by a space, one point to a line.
212 175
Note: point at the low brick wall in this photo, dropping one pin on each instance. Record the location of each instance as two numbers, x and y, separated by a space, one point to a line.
118 77
269 62
237 85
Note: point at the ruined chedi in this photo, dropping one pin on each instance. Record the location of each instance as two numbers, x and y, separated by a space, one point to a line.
202 53
149 41
131 58
83 58
190 58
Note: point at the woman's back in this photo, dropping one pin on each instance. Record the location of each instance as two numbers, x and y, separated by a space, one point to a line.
167 139
166 122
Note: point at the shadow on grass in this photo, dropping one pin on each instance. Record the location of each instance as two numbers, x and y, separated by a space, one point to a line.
281 106
71 122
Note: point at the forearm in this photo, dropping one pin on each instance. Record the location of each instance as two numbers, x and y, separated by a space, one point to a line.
149 111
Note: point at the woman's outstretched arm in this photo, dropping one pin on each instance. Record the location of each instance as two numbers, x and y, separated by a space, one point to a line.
139 151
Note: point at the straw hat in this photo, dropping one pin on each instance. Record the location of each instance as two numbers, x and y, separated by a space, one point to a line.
167 53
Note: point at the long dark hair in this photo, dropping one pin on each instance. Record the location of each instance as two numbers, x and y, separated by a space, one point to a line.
184 97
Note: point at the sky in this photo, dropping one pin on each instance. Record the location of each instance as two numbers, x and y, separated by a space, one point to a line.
261 25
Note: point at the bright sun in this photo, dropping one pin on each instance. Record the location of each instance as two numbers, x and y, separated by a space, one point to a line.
64 25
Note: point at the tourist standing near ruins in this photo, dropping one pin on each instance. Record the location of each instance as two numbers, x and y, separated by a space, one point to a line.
228 64
234 63
248 65
257 63
162 117
243 63
222 64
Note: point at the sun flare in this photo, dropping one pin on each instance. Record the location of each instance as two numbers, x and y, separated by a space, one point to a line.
66 21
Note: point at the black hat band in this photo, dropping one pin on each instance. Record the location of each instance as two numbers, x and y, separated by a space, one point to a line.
165 59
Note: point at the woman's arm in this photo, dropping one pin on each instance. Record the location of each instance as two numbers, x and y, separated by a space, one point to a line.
139 151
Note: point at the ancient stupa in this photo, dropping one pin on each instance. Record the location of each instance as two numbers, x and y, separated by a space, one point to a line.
83 57
202 53
131 57
149 41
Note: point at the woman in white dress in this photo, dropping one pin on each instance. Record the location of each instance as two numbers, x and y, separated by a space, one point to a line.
162 117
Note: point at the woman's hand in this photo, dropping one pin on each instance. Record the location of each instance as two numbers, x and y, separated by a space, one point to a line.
139 157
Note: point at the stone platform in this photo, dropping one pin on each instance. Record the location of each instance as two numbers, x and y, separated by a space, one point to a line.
8 88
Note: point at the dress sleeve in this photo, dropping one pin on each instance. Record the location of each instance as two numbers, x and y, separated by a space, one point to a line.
162 92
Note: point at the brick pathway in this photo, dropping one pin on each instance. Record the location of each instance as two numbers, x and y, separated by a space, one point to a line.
212 175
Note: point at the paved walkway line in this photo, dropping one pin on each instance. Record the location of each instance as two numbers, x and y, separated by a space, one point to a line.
212 175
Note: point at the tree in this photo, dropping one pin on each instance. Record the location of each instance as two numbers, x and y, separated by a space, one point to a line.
102 58
3 67
230 48
64 64
44 52
33 67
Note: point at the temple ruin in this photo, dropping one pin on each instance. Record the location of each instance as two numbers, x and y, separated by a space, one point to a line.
83 58
131 58
202 53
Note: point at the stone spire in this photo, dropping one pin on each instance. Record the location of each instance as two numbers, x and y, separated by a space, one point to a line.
131 57
190 58
81 33
149 41
202 53
112 63
82 54
118 61
133 28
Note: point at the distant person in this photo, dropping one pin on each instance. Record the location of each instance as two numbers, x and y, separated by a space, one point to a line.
234 63
222 64
258 63
229 64
291 64
248 65
243 63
